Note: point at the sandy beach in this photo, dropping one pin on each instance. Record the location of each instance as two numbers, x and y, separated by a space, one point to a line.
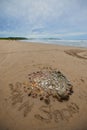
21 112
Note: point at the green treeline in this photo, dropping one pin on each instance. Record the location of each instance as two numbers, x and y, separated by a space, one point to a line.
13 38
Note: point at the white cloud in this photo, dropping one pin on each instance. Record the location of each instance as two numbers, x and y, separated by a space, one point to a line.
46 15
34 10
53 35
73 34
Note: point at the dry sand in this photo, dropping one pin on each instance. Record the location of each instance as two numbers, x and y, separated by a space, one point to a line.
21 112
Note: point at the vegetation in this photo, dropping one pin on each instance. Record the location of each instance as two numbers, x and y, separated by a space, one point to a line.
13 38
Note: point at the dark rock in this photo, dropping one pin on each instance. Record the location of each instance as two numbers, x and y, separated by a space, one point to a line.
47 101
41 98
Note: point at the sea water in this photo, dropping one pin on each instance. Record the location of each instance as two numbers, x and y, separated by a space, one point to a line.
78 43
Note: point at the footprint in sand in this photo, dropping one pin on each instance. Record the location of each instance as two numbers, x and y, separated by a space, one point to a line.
46 110
57 115
82 54
73 108
41 118
16 93
66 114
17 97
27 107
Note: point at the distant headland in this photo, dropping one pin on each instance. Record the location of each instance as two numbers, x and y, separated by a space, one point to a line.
13 38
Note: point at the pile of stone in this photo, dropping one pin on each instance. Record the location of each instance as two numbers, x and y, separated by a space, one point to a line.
46 83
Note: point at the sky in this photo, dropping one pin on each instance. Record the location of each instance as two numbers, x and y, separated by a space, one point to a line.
65 19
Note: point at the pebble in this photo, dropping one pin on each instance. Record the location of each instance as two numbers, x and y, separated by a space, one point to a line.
51 82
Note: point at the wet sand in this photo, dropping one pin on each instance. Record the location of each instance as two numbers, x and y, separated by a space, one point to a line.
18 111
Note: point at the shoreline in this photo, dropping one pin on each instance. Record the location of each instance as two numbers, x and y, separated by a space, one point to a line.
51 42
67 42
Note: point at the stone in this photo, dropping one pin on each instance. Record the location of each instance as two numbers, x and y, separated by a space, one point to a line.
50 82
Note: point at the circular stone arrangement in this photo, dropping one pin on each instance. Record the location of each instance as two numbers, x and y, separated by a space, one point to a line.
46 83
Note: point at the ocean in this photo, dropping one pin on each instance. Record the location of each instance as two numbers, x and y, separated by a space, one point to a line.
76 43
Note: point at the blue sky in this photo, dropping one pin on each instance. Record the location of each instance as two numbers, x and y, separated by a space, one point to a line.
65 19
